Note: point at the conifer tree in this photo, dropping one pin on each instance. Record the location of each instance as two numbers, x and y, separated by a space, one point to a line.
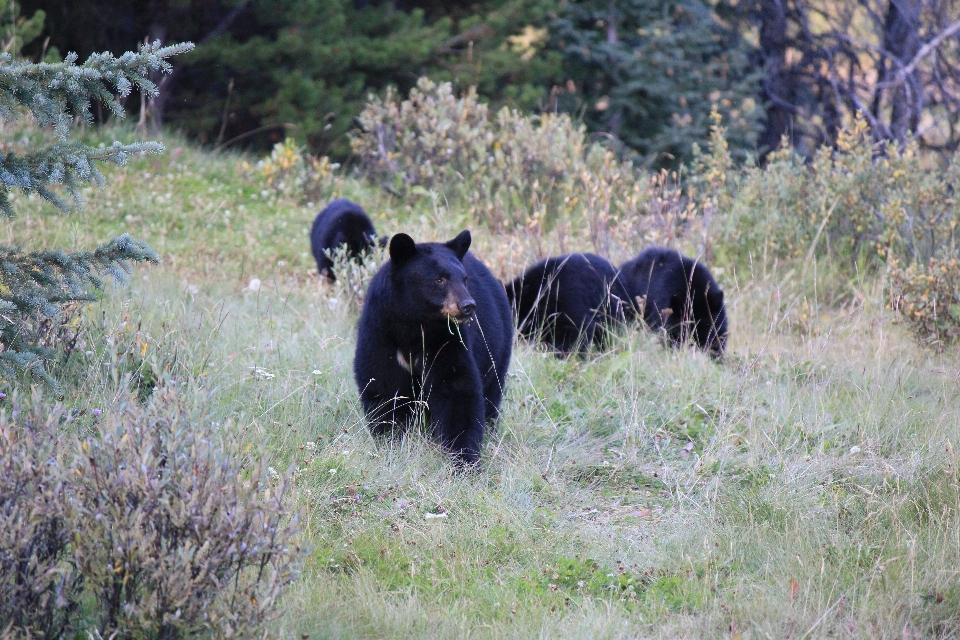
35 285
648 72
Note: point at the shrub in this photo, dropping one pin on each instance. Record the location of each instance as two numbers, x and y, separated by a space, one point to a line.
928 298
513 170
142 515
860 201
291 172
39 586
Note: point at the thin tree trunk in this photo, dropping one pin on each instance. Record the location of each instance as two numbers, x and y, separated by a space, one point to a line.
901 39
777 83
616 115
156 107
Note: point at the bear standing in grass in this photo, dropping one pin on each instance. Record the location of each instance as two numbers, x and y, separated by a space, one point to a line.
568 302
435 335
342 222
679 296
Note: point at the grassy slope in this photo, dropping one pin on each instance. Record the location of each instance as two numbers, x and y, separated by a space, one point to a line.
807 487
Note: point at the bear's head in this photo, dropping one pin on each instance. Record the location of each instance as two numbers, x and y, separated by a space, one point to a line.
431 278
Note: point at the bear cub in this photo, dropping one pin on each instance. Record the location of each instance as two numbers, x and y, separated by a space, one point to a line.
569 302
342 222
435 335
678 295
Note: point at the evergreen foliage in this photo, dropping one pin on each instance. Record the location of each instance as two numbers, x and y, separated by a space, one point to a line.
17 31
312 64
648 72
33 286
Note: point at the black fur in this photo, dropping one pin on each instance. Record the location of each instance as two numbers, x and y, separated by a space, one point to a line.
411 354
569 302
678 295
342 222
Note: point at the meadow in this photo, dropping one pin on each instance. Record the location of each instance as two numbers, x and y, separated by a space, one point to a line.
806 487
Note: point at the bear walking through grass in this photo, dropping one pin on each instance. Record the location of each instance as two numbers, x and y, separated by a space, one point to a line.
341 223
568 302
435 337
678 295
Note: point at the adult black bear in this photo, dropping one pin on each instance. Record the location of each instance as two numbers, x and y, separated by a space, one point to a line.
342 222
435 334
678 295
569 301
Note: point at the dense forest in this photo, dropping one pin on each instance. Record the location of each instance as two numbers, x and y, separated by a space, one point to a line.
643 74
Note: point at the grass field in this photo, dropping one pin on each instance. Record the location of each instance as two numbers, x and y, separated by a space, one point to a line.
805 488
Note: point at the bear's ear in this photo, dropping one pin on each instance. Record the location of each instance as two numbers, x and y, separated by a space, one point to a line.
460 244
402 248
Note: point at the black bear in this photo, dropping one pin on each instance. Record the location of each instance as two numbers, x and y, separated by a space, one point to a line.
342 222
569 301
435 334
678 295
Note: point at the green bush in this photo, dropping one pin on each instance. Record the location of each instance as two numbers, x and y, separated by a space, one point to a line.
927 296
142 516
512 170
859 202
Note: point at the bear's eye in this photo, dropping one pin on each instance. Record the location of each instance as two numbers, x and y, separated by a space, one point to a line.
441 280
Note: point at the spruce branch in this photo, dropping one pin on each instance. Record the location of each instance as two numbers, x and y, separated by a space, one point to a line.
56 92
68 164
34 286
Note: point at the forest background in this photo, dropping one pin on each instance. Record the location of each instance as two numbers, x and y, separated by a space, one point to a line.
642 73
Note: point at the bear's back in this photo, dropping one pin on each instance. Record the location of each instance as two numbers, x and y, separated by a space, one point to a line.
342 222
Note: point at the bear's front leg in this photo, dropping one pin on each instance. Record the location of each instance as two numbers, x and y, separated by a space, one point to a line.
458 414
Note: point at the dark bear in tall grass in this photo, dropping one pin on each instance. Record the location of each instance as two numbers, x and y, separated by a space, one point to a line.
435 335
678 295
568 302
342 222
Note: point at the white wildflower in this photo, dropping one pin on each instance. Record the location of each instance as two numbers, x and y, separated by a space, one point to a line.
261 374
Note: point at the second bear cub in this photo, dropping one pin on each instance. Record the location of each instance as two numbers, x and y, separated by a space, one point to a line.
679 296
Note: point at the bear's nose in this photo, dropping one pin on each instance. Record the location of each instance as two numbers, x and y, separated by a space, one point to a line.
467 307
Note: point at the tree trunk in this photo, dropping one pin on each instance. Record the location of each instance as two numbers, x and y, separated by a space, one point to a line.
901 38
777 84
157 105
616 114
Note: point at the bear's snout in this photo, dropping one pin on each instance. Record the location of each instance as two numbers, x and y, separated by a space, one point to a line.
459 308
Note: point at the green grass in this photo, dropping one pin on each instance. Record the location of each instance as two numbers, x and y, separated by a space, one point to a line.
805 488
